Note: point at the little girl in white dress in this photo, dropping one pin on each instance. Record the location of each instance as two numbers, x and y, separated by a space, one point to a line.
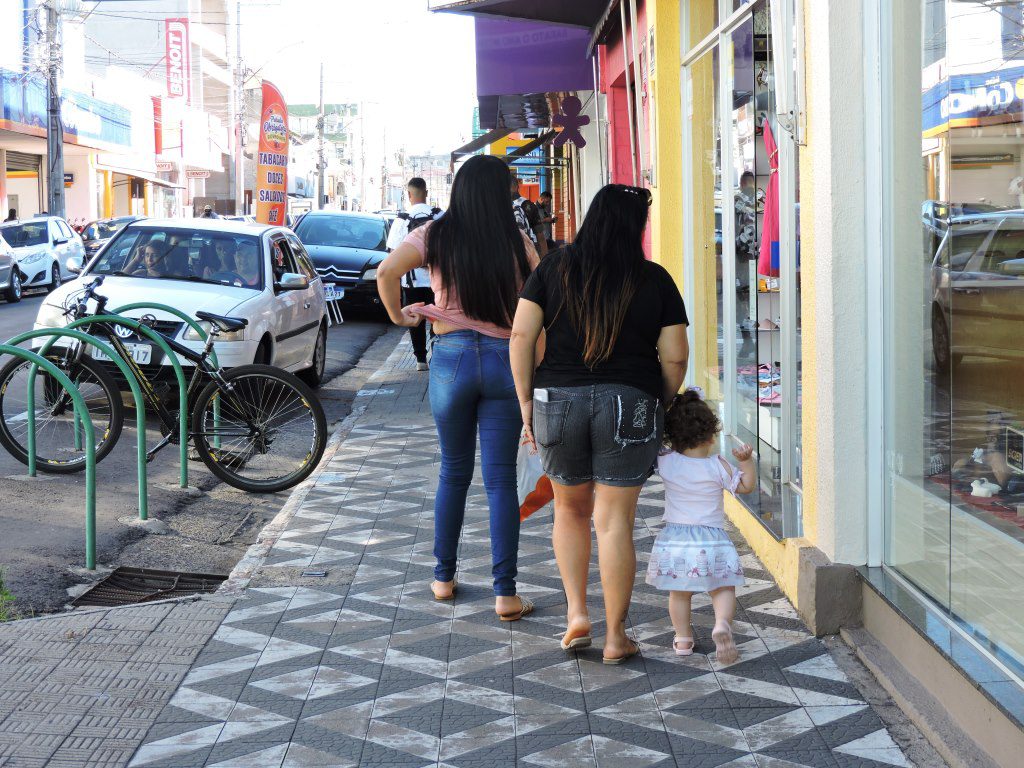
693 553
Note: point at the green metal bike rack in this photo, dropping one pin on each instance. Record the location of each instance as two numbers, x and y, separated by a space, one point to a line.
140 404
149 333
195 326
90 437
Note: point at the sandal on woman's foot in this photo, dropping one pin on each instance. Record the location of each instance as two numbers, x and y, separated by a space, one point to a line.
687 644
525 609
725 646
628 655
575 642
444 598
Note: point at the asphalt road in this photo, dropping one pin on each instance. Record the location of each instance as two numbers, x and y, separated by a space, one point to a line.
42 534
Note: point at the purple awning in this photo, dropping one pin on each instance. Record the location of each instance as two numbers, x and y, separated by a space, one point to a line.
523 57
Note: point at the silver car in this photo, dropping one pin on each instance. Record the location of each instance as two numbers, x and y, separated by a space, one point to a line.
42 247
10 277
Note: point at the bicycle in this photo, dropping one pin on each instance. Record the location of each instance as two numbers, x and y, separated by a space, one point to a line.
256 427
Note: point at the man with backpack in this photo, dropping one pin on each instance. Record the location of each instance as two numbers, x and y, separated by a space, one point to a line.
416 285
528 217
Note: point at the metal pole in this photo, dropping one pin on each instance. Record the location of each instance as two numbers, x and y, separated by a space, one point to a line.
629 92
320 144
54 126
239 158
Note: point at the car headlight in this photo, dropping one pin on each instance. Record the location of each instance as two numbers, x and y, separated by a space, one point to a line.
32 258
192 335
370 274
51 316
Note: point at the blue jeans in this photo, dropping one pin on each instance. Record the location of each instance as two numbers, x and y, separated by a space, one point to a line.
470 385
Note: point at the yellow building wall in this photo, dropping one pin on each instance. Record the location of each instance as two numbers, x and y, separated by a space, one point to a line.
665 132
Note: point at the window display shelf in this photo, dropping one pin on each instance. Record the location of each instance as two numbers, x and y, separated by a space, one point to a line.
769 426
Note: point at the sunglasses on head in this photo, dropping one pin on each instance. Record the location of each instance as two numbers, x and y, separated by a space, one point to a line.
641 192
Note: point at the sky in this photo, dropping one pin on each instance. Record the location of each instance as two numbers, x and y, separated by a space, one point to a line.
414 69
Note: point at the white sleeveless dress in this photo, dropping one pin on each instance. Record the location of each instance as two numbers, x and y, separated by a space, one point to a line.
693 552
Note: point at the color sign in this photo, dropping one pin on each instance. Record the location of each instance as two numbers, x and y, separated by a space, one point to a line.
179 60
272 162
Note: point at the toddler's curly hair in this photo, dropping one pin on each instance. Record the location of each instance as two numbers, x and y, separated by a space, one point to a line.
690 422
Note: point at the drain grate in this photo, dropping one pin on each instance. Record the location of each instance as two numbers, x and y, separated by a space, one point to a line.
127 586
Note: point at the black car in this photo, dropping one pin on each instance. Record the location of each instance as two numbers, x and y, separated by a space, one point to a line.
95 234
346 248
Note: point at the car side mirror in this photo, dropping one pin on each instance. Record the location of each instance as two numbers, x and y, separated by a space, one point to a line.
59 241
72 266
291 281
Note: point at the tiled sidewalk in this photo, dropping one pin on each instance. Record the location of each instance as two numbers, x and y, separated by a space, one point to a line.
362 667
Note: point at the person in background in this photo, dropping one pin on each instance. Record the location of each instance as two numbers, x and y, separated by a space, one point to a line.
478 261
547 218
616 351
12 215
527 217
208 213
416 286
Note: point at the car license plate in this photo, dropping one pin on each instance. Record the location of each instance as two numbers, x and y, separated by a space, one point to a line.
333 293
141 353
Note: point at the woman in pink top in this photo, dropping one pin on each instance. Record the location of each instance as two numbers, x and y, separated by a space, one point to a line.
478 261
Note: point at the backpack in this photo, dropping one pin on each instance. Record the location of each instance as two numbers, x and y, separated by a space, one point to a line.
415 222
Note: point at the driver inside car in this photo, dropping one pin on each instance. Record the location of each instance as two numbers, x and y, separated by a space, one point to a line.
247 264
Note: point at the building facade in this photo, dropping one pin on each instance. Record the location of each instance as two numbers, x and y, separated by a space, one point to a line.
838 192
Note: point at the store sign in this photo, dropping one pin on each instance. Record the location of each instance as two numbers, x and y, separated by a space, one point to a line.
570 121
69 179
984 98
191 174
179 60
1015 449
272 161
163 166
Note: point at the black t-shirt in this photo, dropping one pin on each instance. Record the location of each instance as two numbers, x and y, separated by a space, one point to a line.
634 360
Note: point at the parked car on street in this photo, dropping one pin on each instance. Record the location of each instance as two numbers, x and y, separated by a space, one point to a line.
95 234
977 289
346 248
42 247
259 273
10 277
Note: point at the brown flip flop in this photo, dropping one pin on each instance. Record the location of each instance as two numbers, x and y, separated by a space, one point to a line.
525 609
580 641
446 598
624 657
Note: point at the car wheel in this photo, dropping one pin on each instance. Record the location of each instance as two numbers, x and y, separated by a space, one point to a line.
945 360
13 292
54 278
314 375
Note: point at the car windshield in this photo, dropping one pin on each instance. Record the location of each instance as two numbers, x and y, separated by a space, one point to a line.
29 233
350 231
184 254
101 230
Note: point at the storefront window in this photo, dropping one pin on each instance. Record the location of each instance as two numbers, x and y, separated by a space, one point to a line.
954 322
754 249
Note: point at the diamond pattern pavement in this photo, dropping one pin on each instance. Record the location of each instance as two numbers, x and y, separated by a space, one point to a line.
370 670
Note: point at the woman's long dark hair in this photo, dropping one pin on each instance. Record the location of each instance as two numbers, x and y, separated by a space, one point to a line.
477 246
602 268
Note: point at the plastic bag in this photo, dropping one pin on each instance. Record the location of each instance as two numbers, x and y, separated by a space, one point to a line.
535 489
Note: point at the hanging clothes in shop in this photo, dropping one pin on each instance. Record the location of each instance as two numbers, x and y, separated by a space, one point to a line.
768 257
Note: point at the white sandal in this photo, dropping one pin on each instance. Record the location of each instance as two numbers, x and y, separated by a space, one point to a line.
683 651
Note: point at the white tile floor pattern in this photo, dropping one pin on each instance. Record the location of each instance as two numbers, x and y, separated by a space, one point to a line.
364 668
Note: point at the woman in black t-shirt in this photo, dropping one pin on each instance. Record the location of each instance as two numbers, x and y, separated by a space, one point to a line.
616 349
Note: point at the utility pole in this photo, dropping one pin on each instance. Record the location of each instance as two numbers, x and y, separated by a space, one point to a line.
362 158
385 174
240 113
320 164
54 126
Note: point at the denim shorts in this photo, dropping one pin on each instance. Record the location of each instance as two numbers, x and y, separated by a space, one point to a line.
604 433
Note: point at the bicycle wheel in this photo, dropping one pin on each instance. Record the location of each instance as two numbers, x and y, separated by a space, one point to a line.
57 450
271 432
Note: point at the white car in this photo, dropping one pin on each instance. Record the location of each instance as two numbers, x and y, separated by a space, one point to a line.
10 277
261 274
43 246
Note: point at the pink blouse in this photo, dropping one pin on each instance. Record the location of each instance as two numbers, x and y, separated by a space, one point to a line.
447 307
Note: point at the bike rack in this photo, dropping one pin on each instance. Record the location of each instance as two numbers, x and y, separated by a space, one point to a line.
139 327
194 325
140 406
90 449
